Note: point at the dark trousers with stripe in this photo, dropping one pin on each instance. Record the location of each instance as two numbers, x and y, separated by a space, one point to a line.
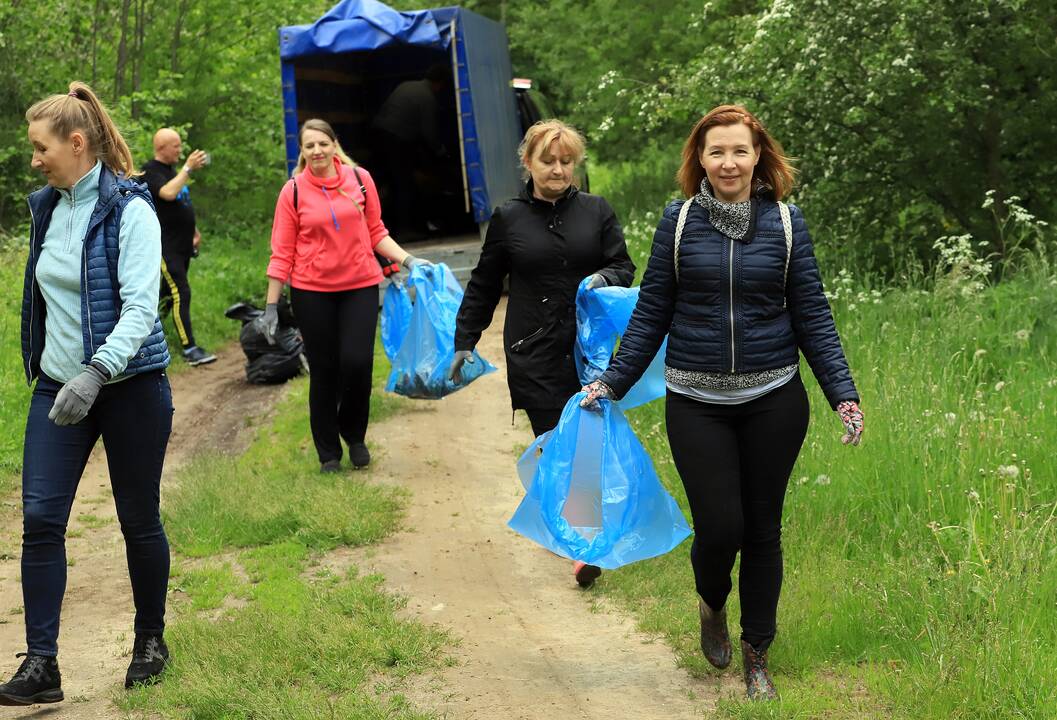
176 291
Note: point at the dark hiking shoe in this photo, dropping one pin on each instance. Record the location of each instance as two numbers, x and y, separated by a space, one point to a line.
715 640
330 466
586 574
360 455
150 657
758 683
37 681
195 355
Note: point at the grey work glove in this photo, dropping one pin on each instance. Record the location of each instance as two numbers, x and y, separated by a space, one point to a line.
268 323
455 371
595 392
596 281
76 397
411 262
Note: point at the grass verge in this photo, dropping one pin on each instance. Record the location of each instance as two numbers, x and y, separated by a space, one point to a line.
261 628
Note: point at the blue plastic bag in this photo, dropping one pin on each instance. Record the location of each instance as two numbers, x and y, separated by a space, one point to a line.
396 317
592 493
423 345
602 316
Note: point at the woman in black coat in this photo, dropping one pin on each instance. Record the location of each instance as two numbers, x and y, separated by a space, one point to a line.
546 240
732 280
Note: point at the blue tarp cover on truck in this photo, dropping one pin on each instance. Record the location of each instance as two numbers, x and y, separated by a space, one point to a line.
488 112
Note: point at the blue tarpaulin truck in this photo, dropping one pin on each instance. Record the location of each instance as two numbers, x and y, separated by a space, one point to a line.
343 68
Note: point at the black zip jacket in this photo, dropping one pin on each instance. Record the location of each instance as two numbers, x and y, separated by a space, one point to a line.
546 249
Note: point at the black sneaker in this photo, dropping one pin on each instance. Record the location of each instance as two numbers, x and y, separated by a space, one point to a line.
330 466
150 657
359 455
195 355
37 681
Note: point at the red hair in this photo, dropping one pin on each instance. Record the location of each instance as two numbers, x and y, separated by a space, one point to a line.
774 168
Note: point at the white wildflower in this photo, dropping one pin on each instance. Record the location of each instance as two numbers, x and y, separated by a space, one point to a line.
1010 472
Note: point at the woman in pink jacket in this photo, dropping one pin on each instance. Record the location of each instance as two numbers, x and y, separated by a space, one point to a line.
327 229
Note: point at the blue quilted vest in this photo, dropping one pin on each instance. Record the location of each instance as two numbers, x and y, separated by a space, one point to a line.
100 291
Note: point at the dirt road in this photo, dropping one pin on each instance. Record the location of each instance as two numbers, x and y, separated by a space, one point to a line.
95 639
531 645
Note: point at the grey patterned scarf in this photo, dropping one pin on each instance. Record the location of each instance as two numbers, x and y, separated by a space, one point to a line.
731 219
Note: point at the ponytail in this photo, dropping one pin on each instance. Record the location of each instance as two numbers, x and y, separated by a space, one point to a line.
81 110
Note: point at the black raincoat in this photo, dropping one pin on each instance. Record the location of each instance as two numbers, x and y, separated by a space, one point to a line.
546 249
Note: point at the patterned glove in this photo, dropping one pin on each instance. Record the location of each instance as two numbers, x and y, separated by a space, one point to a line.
595 392
596 281
851 416
76 397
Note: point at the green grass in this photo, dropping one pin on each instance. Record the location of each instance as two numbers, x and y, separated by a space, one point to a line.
920 566
262 629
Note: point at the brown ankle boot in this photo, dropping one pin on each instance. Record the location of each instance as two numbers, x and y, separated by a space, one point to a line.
758 683
715 640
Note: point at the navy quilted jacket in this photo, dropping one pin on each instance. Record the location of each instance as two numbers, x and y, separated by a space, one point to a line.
733 308
100 293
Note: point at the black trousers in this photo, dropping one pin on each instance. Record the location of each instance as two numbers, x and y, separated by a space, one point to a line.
543 419
176 290
338 329
735 461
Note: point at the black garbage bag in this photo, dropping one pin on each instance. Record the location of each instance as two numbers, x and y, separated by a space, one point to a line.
265 363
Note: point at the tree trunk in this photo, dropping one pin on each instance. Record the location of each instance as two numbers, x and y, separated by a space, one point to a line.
122 53
181 11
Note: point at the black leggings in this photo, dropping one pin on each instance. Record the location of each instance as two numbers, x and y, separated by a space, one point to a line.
338 329
735 461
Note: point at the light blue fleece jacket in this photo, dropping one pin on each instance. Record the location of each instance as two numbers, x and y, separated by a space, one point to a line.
59 271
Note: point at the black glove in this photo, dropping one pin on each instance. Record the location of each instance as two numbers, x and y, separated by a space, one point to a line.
76 397
455 371
268 323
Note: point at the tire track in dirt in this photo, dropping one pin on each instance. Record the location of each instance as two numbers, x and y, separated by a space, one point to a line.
214 406
531 646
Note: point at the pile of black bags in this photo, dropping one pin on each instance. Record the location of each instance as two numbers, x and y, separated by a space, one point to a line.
268 364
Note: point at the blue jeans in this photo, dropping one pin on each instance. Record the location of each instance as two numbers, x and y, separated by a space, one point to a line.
134 417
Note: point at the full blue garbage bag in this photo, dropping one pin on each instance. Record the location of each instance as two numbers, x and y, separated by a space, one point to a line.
592 493
602 316
420 333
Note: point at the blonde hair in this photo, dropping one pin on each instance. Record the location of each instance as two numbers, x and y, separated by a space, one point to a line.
774 169
324 127
545 132
81 110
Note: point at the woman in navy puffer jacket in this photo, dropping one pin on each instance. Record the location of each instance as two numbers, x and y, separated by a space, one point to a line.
732 280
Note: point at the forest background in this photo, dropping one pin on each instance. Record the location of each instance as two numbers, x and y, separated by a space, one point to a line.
922 567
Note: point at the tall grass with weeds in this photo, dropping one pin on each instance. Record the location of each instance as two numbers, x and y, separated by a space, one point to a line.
921 567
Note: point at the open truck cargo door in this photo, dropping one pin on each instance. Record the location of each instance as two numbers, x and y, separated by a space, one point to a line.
343 67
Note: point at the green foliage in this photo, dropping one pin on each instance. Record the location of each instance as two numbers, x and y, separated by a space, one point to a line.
901 114
207 67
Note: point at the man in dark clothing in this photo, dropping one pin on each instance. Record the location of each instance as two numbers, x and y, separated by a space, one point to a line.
179 235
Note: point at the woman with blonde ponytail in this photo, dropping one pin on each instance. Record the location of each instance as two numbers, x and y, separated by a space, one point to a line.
92 341
327 231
